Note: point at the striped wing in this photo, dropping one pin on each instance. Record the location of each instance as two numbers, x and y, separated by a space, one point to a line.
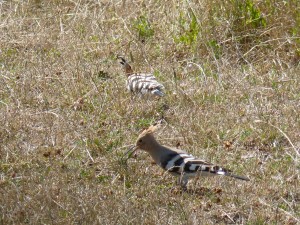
144 84
185 164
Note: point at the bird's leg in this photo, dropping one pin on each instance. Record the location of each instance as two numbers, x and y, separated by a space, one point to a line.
132 98
183 181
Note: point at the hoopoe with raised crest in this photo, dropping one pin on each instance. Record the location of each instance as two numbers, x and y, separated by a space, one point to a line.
176 161
141 83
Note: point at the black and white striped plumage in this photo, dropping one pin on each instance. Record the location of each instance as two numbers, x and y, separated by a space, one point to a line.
177 161
144 84
141 83
187 166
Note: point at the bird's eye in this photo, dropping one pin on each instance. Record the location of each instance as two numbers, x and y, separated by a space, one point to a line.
140 140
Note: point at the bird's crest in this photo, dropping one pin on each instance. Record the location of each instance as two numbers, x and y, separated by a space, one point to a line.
123 61
153 128
126 66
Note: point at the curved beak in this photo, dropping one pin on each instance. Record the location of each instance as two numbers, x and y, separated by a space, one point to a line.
130 152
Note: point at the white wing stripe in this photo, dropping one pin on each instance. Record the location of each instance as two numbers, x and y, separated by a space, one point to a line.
144 83
172 161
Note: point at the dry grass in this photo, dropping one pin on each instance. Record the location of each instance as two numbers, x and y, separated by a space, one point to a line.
231 73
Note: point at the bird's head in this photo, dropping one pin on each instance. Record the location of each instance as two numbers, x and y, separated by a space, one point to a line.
127 68
145 140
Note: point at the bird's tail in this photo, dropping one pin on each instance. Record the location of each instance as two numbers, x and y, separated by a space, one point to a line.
157 92
238 177
226 172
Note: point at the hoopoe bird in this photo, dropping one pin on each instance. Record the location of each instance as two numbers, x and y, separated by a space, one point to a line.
141 83
176 161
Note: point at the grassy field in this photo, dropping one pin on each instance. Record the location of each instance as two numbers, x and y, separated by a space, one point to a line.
232 76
